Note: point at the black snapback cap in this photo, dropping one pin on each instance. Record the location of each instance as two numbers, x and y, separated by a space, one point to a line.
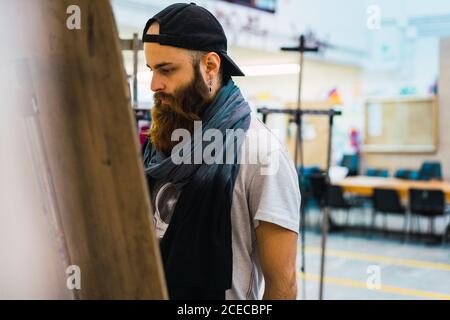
192 27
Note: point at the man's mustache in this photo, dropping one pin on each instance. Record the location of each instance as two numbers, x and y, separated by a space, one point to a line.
174 105
159 96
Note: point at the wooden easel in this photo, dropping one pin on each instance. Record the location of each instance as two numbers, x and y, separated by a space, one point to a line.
82 129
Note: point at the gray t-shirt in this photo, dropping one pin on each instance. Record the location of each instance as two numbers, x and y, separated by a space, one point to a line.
265 190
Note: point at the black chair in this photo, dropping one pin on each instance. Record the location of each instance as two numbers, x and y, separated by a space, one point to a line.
304 175
430 170
406 174
320 192
373 172
318 185
383 173
427 203
335 199
387 201
447 234
316 182
351 162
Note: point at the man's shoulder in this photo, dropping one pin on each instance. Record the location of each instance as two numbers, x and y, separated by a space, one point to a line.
263 153
262 140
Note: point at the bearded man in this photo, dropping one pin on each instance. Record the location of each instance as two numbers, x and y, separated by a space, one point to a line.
226 230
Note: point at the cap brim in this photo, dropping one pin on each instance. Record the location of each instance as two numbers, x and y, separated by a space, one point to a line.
230 66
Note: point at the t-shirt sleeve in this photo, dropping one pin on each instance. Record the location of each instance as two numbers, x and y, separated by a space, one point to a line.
274 193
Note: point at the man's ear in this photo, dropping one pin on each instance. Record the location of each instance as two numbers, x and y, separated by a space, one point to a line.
212 62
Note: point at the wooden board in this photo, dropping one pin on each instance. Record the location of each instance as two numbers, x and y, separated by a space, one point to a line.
402 125
83 129
444 102
394 161
315 134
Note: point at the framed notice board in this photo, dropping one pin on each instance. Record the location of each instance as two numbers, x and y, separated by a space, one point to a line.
401 125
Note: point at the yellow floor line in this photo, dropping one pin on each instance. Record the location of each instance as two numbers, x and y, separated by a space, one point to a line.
384 288
380 259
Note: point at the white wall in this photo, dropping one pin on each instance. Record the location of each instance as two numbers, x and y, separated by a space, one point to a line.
404 52
342 25
331 21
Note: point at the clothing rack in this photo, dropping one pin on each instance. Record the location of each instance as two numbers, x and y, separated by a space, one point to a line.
297 115
297 118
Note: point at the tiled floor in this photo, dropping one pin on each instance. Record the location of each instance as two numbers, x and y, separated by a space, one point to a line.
356 263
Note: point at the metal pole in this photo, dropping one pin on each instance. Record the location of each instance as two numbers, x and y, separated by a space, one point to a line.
299 144
299 156
298 117
135 68
325 214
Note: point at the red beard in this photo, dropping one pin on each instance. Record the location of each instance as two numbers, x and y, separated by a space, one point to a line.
179 111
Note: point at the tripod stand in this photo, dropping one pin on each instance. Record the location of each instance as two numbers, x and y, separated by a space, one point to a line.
297 118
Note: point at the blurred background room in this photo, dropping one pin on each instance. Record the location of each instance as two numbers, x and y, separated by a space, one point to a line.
357 90
385 65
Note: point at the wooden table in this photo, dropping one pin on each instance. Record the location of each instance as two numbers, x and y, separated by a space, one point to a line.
364 186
